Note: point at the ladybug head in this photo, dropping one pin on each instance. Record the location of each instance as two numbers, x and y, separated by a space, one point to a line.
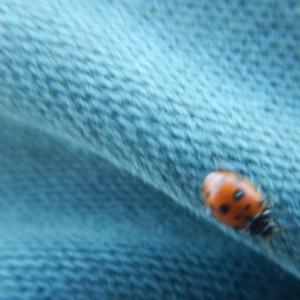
262 224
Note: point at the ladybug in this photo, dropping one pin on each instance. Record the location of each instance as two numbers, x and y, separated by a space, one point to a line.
238 203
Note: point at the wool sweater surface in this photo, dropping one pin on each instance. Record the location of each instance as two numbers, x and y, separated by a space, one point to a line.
111 113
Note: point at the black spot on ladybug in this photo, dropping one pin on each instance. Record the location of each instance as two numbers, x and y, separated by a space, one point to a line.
237 217
224 209
247 207
238 194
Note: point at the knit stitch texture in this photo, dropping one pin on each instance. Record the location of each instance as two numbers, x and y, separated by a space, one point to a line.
156 89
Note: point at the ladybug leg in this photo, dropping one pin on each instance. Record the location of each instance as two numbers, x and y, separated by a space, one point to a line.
246 232
267 241
272 230
208 211
269 202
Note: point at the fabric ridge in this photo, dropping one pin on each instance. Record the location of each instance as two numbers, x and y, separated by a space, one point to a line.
112 111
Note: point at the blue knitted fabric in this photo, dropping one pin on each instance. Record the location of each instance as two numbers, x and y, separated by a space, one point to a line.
111 111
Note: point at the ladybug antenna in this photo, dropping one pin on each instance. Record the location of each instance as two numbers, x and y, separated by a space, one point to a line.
217 163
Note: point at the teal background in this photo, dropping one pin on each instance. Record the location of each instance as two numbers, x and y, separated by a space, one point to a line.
111 112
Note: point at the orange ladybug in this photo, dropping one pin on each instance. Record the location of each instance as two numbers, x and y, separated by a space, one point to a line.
237 203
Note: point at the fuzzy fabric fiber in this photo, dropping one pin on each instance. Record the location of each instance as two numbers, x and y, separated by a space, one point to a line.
110 114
